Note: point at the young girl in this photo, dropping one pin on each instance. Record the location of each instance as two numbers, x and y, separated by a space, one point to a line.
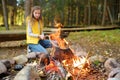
35 36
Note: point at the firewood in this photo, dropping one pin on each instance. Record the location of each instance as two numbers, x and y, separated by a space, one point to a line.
62 54
43 59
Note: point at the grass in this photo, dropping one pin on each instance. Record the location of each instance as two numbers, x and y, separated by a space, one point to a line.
105 42
16 27
111 36
2 28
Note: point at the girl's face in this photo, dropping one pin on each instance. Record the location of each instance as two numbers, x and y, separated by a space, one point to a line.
36 14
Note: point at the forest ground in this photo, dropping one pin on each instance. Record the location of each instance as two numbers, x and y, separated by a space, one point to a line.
106 43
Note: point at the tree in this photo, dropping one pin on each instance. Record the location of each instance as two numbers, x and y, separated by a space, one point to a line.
12 6
5 15
104 12
89 12
28 5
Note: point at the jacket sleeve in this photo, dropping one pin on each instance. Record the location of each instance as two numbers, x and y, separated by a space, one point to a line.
29 31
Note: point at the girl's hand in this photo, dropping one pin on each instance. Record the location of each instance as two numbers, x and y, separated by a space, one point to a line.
41 37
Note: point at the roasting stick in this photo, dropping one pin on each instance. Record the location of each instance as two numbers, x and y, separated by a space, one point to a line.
83 64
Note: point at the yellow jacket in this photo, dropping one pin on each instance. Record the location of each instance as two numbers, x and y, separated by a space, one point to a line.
35 30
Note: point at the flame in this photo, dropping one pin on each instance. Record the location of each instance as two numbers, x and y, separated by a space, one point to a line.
76 62
61 42
51 67
76 65
79 62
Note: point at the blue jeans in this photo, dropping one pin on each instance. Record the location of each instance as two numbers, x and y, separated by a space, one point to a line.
40 47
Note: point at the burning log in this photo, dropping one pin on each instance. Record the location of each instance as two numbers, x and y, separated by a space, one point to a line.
55 68
63 54
43 59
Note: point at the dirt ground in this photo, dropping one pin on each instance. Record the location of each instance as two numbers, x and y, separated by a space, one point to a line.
10 49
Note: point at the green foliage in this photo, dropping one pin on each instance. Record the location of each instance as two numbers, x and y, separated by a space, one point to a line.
97 62
71 12
2 28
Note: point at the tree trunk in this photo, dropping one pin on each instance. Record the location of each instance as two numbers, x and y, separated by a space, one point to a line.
69 12
77 15
89 12
5 15
110 16
80 18
72 14
104 12
85 15
11 16
28 5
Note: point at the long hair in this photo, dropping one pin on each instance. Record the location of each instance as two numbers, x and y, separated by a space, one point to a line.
32 19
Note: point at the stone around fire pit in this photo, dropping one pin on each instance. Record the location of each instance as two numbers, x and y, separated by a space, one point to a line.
115 73
111 64
27 73
97 58
31 55
112 79
3 68
21 59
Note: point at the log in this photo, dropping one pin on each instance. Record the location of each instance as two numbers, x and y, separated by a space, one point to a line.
12 36
21 35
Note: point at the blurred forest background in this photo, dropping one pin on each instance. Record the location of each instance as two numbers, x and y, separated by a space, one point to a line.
72 13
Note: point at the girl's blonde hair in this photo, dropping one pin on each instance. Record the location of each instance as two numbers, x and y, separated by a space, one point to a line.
32 19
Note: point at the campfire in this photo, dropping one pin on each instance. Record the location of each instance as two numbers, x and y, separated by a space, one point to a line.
68 64
63 62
